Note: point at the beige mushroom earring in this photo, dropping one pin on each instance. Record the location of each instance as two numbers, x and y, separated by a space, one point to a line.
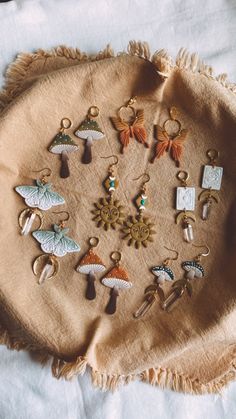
89 131
116 279
90 264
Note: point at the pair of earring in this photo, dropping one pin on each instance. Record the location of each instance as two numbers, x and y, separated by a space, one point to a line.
109 213
185 195
115 279
63 144
192 268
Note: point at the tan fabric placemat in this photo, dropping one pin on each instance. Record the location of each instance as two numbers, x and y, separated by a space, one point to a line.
190 349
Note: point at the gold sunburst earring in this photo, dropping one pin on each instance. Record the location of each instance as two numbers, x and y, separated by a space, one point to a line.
185 203
138 229
108 211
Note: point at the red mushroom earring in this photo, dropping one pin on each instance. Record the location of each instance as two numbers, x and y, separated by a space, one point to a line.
185 203
89 131
90 264
63 144
116 279
193 269
133 128
162 274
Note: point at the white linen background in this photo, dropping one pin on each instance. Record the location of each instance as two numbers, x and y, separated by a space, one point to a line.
208 27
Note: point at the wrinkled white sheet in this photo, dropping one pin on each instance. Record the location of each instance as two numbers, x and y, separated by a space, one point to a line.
28 391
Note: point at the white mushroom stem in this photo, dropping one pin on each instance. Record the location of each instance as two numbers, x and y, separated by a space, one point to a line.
191 274
64 171
87 156
111 306
160 278
91 292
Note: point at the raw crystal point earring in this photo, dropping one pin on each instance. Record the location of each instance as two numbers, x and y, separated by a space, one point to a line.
54 244
37 198
138 229
109 212
133 128
211 182
172 142
63 144
193 269
116 278
89 265
162 273
185 203
89 131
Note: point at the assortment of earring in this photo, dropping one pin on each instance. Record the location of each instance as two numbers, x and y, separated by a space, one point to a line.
89 265
162 273
37 198
54 244
109 211
116 278
138 229
193 269
89 131
134 128
172 142
211 182
185 203
63 144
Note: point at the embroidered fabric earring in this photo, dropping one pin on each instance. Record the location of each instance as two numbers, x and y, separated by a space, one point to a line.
172 142
211 182
54 244
185 203
37 198
109 211
116 278
138 229
193 269
63 144
162 273
89 265
134 128
89 131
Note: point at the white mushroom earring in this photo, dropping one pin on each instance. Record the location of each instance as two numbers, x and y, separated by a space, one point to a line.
193 269
62 145
162 273
38 198
89 131
90 264
116 279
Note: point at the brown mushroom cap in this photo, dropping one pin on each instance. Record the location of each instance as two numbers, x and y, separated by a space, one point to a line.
89 128
117 277
63 142
91 262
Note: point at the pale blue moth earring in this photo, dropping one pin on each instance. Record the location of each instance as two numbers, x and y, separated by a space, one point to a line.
38 198
55 244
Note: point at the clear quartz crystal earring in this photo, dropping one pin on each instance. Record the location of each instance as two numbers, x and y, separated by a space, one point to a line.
211 183
193 269
162 273
185 203
55 244
38 198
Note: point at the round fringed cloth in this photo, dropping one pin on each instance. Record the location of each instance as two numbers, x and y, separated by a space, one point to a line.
193 347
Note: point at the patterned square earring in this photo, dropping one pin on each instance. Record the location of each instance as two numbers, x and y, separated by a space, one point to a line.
185 203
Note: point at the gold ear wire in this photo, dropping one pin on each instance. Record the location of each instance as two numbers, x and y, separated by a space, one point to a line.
62 222
110 169
203 246
40 171
147 178
167 260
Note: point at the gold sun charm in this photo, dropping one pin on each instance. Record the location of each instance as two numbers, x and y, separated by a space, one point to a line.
138 231
108 213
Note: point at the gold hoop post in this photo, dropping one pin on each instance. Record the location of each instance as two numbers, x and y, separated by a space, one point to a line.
93 111
115 257
93 241
66 123
183 176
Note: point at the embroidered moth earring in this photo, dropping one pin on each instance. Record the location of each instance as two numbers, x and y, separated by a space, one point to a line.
109 211
134 128
63 144
185 203
89 131
138 229
54 244
193 269
37 198
116 279
89 265
211 182
167 141
162 273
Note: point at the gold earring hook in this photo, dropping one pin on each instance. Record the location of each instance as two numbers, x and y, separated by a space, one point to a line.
110 169
202 254
45 175
166 261
62 222
147 178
